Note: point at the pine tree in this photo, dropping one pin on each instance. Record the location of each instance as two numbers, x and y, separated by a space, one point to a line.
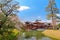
52 10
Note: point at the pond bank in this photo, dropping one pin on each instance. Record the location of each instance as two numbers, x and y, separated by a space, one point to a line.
33 35
52 33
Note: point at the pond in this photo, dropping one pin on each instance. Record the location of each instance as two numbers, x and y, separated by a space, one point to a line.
34 35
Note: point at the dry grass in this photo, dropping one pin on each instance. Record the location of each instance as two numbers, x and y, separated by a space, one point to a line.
52 33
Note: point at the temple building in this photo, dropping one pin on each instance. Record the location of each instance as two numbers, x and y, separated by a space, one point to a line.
37 25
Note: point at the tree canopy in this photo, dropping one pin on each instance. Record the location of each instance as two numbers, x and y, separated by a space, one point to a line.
7 9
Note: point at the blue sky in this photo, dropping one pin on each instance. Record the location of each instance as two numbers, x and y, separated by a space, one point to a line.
34 9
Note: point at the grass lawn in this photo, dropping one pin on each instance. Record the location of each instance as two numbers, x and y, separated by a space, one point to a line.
52 33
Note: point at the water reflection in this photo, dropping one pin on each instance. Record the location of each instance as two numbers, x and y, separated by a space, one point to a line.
46 38
35 35
34 38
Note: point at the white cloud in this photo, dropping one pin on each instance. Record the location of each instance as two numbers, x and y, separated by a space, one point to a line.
23 8
48 21
39 17
58 15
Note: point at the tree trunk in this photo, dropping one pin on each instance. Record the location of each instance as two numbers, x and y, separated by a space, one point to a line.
54 22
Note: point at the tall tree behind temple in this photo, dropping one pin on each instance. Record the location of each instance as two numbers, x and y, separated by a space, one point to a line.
52 10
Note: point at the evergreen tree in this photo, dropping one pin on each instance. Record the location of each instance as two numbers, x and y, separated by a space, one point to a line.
52 10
